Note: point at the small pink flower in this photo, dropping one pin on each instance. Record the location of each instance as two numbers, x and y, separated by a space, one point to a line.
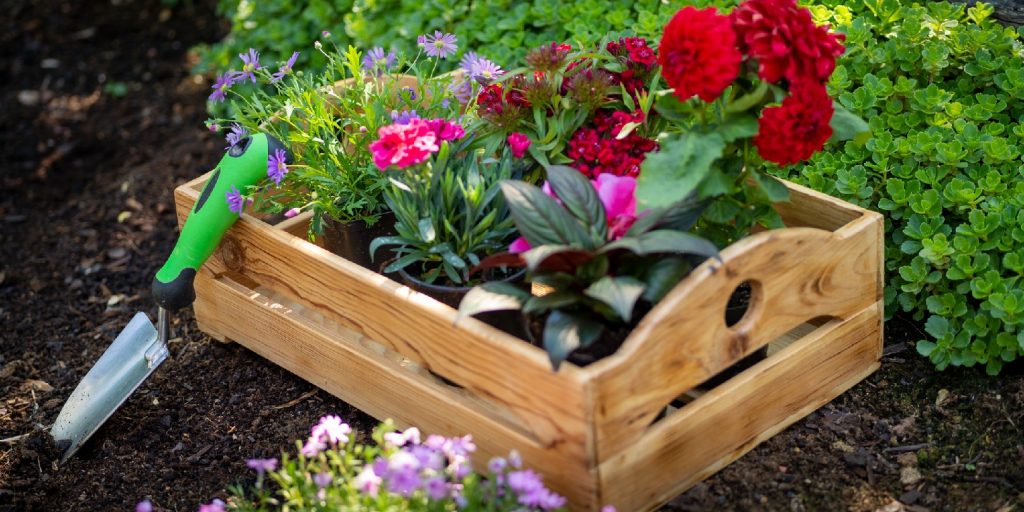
608 508
214 506
291 213
144 506
445 130
520 245
519 144
367 482
403 145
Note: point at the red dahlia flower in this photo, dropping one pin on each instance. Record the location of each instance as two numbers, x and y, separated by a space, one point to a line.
698 53
793 131
785 41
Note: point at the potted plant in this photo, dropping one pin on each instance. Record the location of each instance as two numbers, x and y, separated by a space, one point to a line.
603 267
328 122
448 208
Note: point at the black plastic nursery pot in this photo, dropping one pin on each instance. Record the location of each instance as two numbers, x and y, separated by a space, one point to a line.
352 240
508 321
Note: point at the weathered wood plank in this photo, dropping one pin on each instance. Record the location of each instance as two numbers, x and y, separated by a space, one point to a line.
723 424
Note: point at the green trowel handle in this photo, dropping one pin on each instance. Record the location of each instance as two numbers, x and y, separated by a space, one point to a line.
243 165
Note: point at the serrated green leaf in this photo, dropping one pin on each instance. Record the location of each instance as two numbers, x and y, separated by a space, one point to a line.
672 173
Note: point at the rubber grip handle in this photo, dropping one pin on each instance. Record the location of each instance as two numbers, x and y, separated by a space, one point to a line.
245 164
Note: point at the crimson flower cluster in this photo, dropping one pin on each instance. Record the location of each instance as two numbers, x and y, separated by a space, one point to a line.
596 148
638 60
503 105
702 52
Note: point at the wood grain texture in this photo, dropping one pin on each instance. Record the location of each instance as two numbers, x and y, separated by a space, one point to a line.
796 274
380 346
723 424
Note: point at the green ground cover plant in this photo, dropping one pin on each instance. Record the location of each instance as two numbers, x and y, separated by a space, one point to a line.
942 86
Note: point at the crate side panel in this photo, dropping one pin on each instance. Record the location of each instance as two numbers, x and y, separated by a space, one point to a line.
379 386
719 427
798 274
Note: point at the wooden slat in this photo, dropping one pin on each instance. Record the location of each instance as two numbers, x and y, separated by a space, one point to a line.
797 274
340 364
480 358
722 425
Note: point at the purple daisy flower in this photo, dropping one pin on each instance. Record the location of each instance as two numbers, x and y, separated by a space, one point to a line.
262 465
462 90
276 168
236 203
221 86
439 44
250 63
285 69
404 116
480 68
238 132
375 59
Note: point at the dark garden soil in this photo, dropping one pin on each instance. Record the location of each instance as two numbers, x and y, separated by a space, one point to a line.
100 120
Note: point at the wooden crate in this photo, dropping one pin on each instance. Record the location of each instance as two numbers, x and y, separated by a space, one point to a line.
591 431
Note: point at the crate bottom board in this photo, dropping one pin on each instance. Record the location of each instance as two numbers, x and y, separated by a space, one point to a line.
292 336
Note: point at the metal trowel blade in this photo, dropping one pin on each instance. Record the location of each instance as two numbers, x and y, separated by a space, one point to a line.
129 360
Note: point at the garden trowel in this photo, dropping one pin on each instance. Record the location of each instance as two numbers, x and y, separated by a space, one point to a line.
141 346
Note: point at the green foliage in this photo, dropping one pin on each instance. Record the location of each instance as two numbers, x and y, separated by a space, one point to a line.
281 26
943 88
597 285
449 214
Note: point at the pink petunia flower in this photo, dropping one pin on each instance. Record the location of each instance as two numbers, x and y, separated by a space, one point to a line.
617 196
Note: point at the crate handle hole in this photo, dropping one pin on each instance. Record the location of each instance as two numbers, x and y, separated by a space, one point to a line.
743 303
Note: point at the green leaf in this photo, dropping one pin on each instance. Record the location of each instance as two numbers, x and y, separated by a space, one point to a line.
565 332
427 233
772 187
738 127
404 261
540 219
848 126
664 241
554 300
663 276
672 173
621 293
717 183
493 296
385 240
925 348
580 198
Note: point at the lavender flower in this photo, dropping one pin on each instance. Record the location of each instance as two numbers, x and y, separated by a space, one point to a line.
236 202
285 69
144 506
480 68
436 487
250 63
262 465
496 465
462 90
238 132
331 427
403 116
376 60
221 86
439 44
531 492
323 480
276 168
608 508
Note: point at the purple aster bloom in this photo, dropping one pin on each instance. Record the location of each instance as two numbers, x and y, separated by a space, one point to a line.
497 465
262 465
436 487
250 63
144 506
276 168
238 132
285 69
439 44
410 91
524 481
544 499
236 203
322 479
221 86
375 59
480 68
428 458
403 117
462 90
404 482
